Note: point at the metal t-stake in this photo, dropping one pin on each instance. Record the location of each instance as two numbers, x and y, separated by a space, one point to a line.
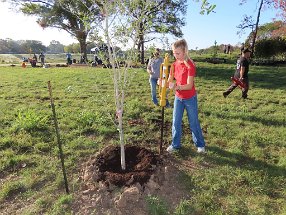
58 137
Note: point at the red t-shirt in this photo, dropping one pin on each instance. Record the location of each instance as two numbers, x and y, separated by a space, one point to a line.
181 73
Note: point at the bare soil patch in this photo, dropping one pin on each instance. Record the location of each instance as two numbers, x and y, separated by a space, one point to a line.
106 189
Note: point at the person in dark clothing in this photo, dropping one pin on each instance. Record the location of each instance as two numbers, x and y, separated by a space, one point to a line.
69 58
33 61
241 73
42 58
35 57
241 48
228 49
82 59
224 49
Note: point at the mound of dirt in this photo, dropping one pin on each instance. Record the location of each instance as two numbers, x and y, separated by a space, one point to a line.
140 163
106 166
106 189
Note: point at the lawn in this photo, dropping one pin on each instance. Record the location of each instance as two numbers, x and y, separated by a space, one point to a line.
243 171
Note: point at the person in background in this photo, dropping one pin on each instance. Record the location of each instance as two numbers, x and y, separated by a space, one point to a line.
228 49
153 68
69 58
82 58
185 97
224 49
35 57
34 60
42 58
241 73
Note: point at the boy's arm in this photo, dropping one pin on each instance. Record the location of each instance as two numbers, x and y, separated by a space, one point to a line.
171 75
170 81
242 70
188 86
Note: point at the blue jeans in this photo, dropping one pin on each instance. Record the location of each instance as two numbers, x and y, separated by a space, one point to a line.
191 105
153 84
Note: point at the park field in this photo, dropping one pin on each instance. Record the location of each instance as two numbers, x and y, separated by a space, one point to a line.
243 171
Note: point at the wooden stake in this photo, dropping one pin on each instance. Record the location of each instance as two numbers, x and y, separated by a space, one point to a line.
58 137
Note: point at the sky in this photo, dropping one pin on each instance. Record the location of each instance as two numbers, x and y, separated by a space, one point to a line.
201 31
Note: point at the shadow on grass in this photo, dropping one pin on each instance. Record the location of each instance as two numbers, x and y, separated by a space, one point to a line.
261 77
216 156
252 118
242 161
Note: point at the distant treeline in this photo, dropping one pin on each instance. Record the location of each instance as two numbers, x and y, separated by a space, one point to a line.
9 46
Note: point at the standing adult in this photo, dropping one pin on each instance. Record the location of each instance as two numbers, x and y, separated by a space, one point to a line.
42 58
69 58
35 58
241 73
153 68
224 49
228 49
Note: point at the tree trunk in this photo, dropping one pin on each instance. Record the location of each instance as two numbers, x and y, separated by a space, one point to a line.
81 37
256 26
140 46
138 50
142 51
118 92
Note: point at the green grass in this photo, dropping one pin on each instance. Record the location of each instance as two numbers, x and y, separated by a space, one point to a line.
243 172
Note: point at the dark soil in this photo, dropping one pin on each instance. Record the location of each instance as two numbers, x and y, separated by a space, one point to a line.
140 164
107 190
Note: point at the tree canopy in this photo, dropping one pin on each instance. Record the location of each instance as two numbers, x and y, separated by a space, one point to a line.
159 16
249 22
21 46
78 18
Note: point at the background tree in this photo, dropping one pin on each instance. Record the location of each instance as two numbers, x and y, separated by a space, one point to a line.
32 46
9 46
268 30
271 48
248 21
269 40
159 16
153 17
21 46
72 16
72 48
55 47
280 30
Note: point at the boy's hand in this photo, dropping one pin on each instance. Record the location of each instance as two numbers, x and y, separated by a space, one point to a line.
171 85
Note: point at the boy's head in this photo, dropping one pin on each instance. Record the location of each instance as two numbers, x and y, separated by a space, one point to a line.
246 53
180 49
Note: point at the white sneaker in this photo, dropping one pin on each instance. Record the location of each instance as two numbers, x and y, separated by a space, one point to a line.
170 149
201 150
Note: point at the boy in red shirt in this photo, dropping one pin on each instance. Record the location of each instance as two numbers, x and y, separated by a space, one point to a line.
185 98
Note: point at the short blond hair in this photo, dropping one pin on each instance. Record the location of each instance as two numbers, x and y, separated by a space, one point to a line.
182 44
